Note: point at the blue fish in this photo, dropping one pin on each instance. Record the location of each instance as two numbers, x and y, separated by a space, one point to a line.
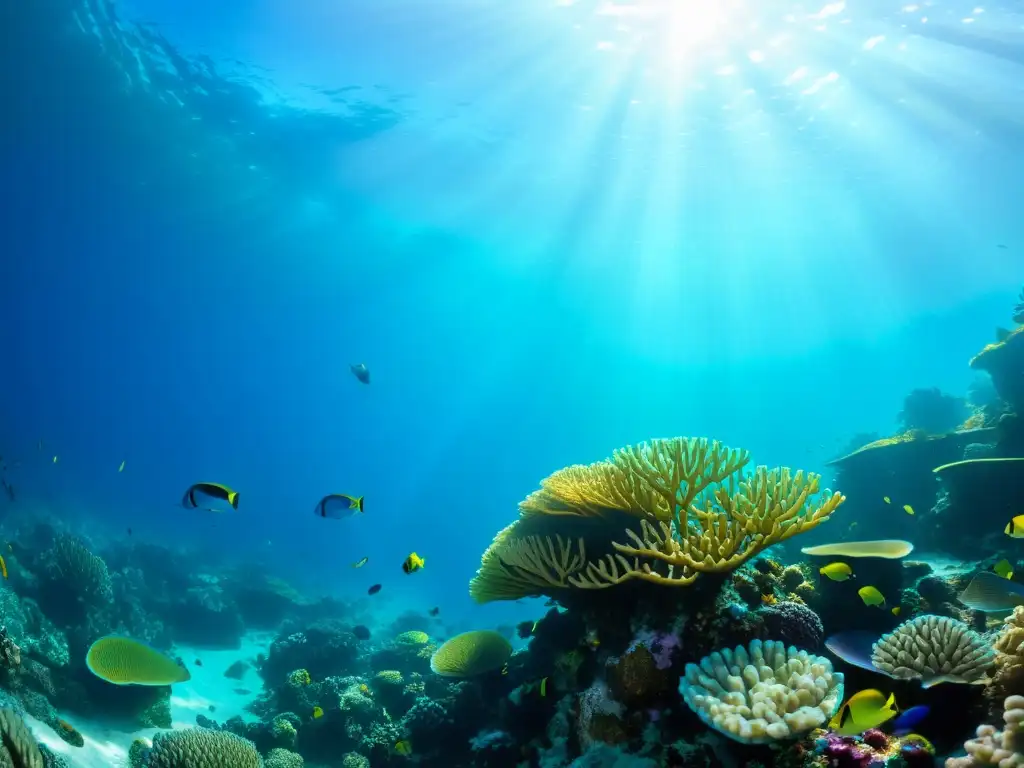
909 719
854 647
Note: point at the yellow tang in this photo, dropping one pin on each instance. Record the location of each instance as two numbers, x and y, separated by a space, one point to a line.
908 509
896 611
413 563
317 713
403 747
871 596
1004 569
837 571
867 709
1015 527
123 661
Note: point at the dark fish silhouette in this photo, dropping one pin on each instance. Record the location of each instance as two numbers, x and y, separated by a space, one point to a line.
361 372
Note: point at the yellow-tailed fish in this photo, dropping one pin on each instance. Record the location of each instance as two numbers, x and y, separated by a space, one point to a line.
1015 528
121 468
991 593
895 611
403 747
217 491
887 500
908 509
317 713
836 571
866 709
361 562
871 596
1004 569
544 687
339 506
413 563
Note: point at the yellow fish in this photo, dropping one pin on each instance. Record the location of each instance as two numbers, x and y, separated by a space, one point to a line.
896 611
1015 527
871 596
360 562
364 689
837 571
908 509
1004 569
867 709
121 468
544 687
887 500
403 748
413 563
916 738
3 567
317 713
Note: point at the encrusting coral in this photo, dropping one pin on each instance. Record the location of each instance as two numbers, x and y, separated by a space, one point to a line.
1003 748
684 506
764 692
932 649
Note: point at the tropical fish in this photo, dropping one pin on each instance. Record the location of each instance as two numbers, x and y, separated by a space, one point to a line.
769 599
854 647
360 562
544 687
434 611
909 719
3 567
1004 569
364 689
403 747
361 632
891 549
198 662
866 709
413 563
895 610
339 506
55 459
916 738
908 509
837 571
871 596
317 713
887 500
374 589
212 490
361 372
121 468
123 661
991 593
1015 528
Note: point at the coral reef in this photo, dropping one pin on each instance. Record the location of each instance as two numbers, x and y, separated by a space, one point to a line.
993 747
932 648
201 748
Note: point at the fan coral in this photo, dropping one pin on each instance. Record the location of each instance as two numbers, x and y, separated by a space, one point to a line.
794 624
470 654
991 747
683 507
762 693
200 748
18 748
933 649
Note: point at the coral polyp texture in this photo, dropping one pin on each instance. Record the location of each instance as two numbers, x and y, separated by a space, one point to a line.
665 511
471 654
764 692
933 648
1003 748
17 747
201 748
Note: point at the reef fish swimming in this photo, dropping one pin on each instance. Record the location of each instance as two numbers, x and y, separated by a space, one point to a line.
864 710
216 491
989 592
339 506
837 571
123 661
413 563
361 372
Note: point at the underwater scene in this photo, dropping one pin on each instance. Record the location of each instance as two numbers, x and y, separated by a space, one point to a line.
511 384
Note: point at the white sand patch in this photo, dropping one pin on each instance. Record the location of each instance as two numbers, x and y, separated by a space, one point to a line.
107 747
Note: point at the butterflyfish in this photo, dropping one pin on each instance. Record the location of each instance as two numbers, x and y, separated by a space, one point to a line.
403 747
866 709
837 571
123 661
909 719
871 596
413 563
360 371
317 713
891 549
121 468
1004 569
1015 528
360 562
544 687
992 593
908 509
195 493
338 506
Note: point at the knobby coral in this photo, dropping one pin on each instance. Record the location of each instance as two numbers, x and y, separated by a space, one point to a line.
1003 748
763 692
664 511
201 748
17 747
933 649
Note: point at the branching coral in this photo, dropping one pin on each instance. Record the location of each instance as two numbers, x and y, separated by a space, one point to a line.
687 507
1003 748
933 649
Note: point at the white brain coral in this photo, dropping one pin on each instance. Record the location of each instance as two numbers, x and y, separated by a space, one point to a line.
764 692
933 648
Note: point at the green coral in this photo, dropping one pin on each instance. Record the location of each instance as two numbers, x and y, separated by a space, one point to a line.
387 677
299 678
414 638
201 748
283 731
282 758
137 752
355 760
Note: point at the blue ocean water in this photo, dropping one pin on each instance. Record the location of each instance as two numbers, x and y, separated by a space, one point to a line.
549 229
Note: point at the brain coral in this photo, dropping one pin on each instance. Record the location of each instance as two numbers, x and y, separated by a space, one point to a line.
470 654
200 748
795 624
762 693
413 638
933 649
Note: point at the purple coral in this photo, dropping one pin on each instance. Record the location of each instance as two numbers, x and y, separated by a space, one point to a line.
844 752
662 646
794 624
